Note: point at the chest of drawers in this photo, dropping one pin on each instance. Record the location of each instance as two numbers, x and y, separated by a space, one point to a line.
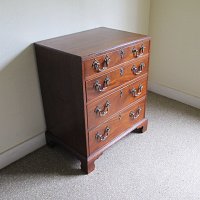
93 87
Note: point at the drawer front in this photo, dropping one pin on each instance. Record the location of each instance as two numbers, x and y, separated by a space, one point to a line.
102 63
101 110
105 133
126 72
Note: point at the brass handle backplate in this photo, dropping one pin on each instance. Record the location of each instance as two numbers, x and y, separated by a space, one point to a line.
104 111
101 137
138 70
122 53
96 66
102 87
137 92
138 52
135 114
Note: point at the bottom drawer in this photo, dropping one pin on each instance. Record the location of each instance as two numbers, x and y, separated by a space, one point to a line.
107 131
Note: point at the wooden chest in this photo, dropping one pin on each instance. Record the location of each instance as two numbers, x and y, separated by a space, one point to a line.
93 86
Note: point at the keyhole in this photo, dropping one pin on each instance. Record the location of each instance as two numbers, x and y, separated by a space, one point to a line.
121 71
122 53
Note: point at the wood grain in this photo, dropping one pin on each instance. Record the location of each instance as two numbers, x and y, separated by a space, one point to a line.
116 79
92 42
115 58
63 106
117 125
67 82
117 103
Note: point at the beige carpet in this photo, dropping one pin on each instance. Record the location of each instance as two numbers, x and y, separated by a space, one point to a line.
163 163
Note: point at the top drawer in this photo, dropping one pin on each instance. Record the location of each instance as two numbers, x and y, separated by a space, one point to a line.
104 62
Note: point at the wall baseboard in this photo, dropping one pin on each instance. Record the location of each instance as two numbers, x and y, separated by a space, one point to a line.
21 150
174 94
35 143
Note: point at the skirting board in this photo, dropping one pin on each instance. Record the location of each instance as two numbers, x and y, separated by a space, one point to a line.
174 94
22 150
35 143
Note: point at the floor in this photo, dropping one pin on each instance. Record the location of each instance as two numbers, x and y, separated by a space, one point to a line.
161 164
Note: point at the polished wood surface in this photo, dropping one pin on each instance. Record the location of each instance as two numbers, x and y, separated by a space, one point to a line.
123 74
118 100
89 105
63 97
143 127
116 57
117 125
92 42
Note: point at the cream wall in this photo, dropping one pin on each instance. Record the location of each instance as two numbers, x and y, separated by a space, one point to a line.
175 53
23 22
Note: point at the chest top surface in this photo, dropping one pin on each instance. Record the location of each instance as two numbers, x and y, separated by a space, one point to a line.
91 42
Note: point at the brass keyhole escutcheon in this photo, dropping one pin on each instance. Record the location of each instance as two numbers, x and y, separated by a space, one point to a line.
122 53
120 117
121 71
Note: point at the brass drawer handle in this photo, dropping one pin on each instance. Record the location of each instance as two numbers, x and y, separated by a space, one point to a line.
138 70
139 52
104 111
135 52
135 114
100 88
101 137
137 92
96 66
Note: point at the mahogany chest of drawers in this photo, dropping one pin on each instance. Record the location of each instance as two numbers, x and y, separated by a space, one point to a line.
93 86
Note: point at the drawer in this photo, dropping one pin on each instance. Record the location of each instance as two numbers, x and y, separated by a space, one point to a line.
101 110
106 132
126 72
102 63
